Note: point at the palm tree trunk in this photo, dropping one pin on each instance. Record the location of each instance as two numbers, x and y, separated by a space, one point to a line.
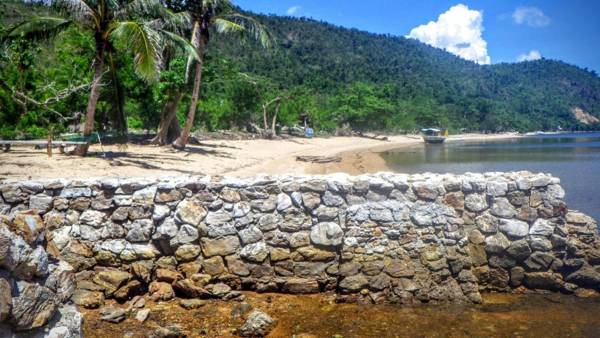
200 42
168 127
92 101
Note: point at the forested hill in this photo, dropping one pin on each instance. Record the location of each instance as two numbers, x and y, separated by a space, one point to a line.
340 78
381 81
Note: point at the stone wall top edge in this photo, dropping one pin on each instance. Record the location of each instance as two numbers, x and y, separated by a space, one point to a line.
263 179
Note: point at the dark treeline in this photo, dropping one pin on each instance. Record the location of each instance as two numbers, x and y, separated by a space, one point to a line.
340 78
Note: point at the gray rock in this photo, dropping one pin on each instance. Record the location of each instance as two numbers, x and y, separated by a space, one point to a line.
487 223
92 217
140 231
142 315
542 227
311 200
32 306
283 202
538 261
496 244
476 202
190 212
326 234
519 249
325 213
76 192
381 215
41 203
332 200
123 200
112 314
538 243
241 209
299 239
255 252
586 277
214 231
265 205
161 212
269 222
217 218
250 235
166 230
354 283
514 228
497 188
258 324
502 208
144 196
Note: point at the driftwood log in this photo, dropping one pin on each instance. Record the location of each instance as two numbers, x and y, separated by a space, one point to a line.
318 159
373 137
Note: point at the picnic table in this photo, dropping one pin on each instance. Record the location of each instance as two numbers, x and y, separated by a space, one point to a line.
7 144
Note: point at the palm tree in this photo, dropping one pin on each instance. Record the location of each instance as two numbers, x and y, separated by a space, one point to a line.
222 16
142 25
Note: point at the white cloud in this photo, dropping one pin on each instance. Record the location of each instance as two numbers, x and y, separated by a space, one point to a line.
531 16
458 31
531 56
293 10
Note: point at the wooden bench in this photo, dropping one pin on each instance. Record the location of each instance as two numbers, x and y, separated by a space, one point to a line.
6 144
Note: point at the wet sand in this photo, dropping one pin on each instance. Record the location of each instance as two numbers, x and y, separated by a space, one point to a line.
501 315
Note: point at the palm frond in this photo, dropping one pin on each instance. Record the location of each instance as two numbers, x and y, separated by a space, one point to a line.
251 27
226 26
144 42
36 28
143 8
179 41
81 11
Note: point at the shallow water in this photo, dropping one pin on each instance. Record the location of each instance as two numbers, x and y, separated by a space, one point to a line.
574 158
501 315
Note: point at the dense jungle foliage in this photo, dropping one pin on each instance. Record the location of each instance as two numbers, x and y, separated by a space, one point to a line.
338 77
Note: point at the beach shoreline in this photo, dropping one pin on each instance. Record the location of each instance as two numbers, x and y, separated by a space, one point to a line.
238 158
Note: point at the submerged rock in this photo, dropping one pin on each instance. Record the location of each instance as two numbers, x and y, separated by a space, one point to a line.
258 324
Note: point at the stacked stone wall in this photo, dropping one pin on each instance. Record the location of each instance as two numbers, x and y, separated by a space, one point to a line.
373 238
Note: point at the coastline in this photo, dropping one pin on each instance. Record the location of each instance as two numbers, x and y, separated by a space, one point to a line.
368 160
241 158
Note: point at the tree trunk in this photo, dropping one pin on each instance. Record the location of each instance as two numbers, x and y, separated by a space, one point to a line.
92 101
265 124
168 128
199 41
275 118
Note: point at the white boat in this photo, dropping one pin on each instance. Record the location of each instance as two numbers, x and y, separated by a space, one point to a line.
432 135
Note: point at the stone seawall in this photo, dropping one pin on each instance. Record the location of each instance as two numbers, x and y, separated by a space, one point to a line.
373 238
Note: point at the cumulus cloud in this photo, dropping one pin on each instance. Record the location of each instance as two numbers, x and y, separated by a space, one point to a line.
458 31
293 10
531 56
531 16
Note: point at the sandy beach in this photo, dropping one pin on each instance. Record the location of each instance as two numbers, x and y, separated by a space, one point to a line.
213 157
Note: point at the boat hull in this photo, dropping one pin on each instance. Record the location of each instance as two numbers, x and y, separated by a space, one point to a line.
434 139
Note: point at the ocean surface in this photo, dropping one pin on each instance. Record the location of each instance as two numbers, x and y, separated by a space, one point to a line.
574 158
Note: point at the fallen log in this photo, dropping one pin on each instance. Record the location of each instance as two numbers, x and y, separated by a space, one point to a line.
372 137
318 159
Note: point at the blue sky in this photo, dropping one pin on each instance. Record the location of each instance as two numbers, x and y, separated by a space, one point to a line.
483 31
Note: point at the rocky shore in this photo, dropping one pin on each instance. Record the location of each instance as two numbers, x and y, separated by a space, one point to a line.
382 238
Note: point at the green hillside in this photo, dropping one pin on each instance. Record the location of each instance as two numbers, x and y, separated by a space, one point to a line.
421 84
340 78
